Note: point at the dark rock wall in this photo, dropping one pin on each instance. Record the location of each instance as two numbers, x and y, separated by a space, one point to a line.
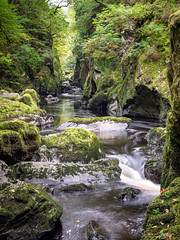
171 158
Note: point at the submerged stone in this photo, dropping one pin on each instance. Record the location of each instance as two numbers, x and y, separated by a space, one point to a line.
26 212
95 231
81 187
72 145
18 140
128 194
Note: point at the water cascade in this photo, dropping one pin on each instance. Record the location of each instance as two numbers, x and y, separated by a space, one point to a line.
122 220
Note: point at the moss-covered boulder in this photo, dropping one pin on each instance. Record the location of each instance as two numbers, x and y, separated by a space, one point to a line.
99 171
98 125
18 140
171 158
14 107
26 212
154 152
163 214
128 194
100 119
32 93
72 145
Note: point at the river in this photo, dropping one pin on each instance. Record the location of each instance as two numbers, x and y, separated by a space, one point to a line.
122 220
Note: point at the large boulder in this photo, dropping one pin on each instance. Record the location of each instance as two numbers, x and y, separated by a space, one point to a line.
103 127
71 145
18 140
67 173
26 212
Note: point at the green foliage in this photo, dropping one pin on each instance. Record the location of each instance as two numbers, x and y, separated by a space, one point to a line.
28 31
10 28
29 59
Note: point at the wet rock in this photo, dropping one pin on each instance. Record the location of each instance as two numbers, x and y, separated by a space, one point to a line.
112 108
50 99
75 91
98 124
26 212
18 141
66 86
72 145
153 169
146 103
68 173
98 102
95 231
3 171
128 194
154 152
81 187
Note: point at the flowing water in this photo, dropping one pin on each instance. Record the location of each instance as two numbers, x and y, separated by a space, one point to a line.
122 220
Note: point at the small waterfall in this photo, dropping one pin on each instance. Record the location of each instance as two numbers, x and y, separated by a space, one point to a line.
132 173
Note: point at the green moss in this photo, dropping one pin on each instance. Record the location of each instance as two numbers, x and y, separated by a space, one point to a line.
13 108
156 134
26 209
33 94
75 145
100 119
153 74
76 188
17 140
163 213
97 171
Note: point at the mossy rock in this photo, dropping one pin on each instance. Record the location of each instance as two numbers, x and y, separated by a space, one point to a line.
153 169
154 152
100 119
27 99
14 108
99 171
156 135
26 212
98 101
18 140
163 214
32 93
128 194
74 145
81 187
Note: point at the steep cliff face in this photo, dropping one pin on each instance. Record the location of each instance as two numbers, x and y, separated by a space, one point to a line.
162 219
128 47
171 167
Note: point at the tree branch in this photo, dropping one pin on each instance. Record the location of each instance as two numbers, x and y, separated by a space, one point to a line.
60 6
100 3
